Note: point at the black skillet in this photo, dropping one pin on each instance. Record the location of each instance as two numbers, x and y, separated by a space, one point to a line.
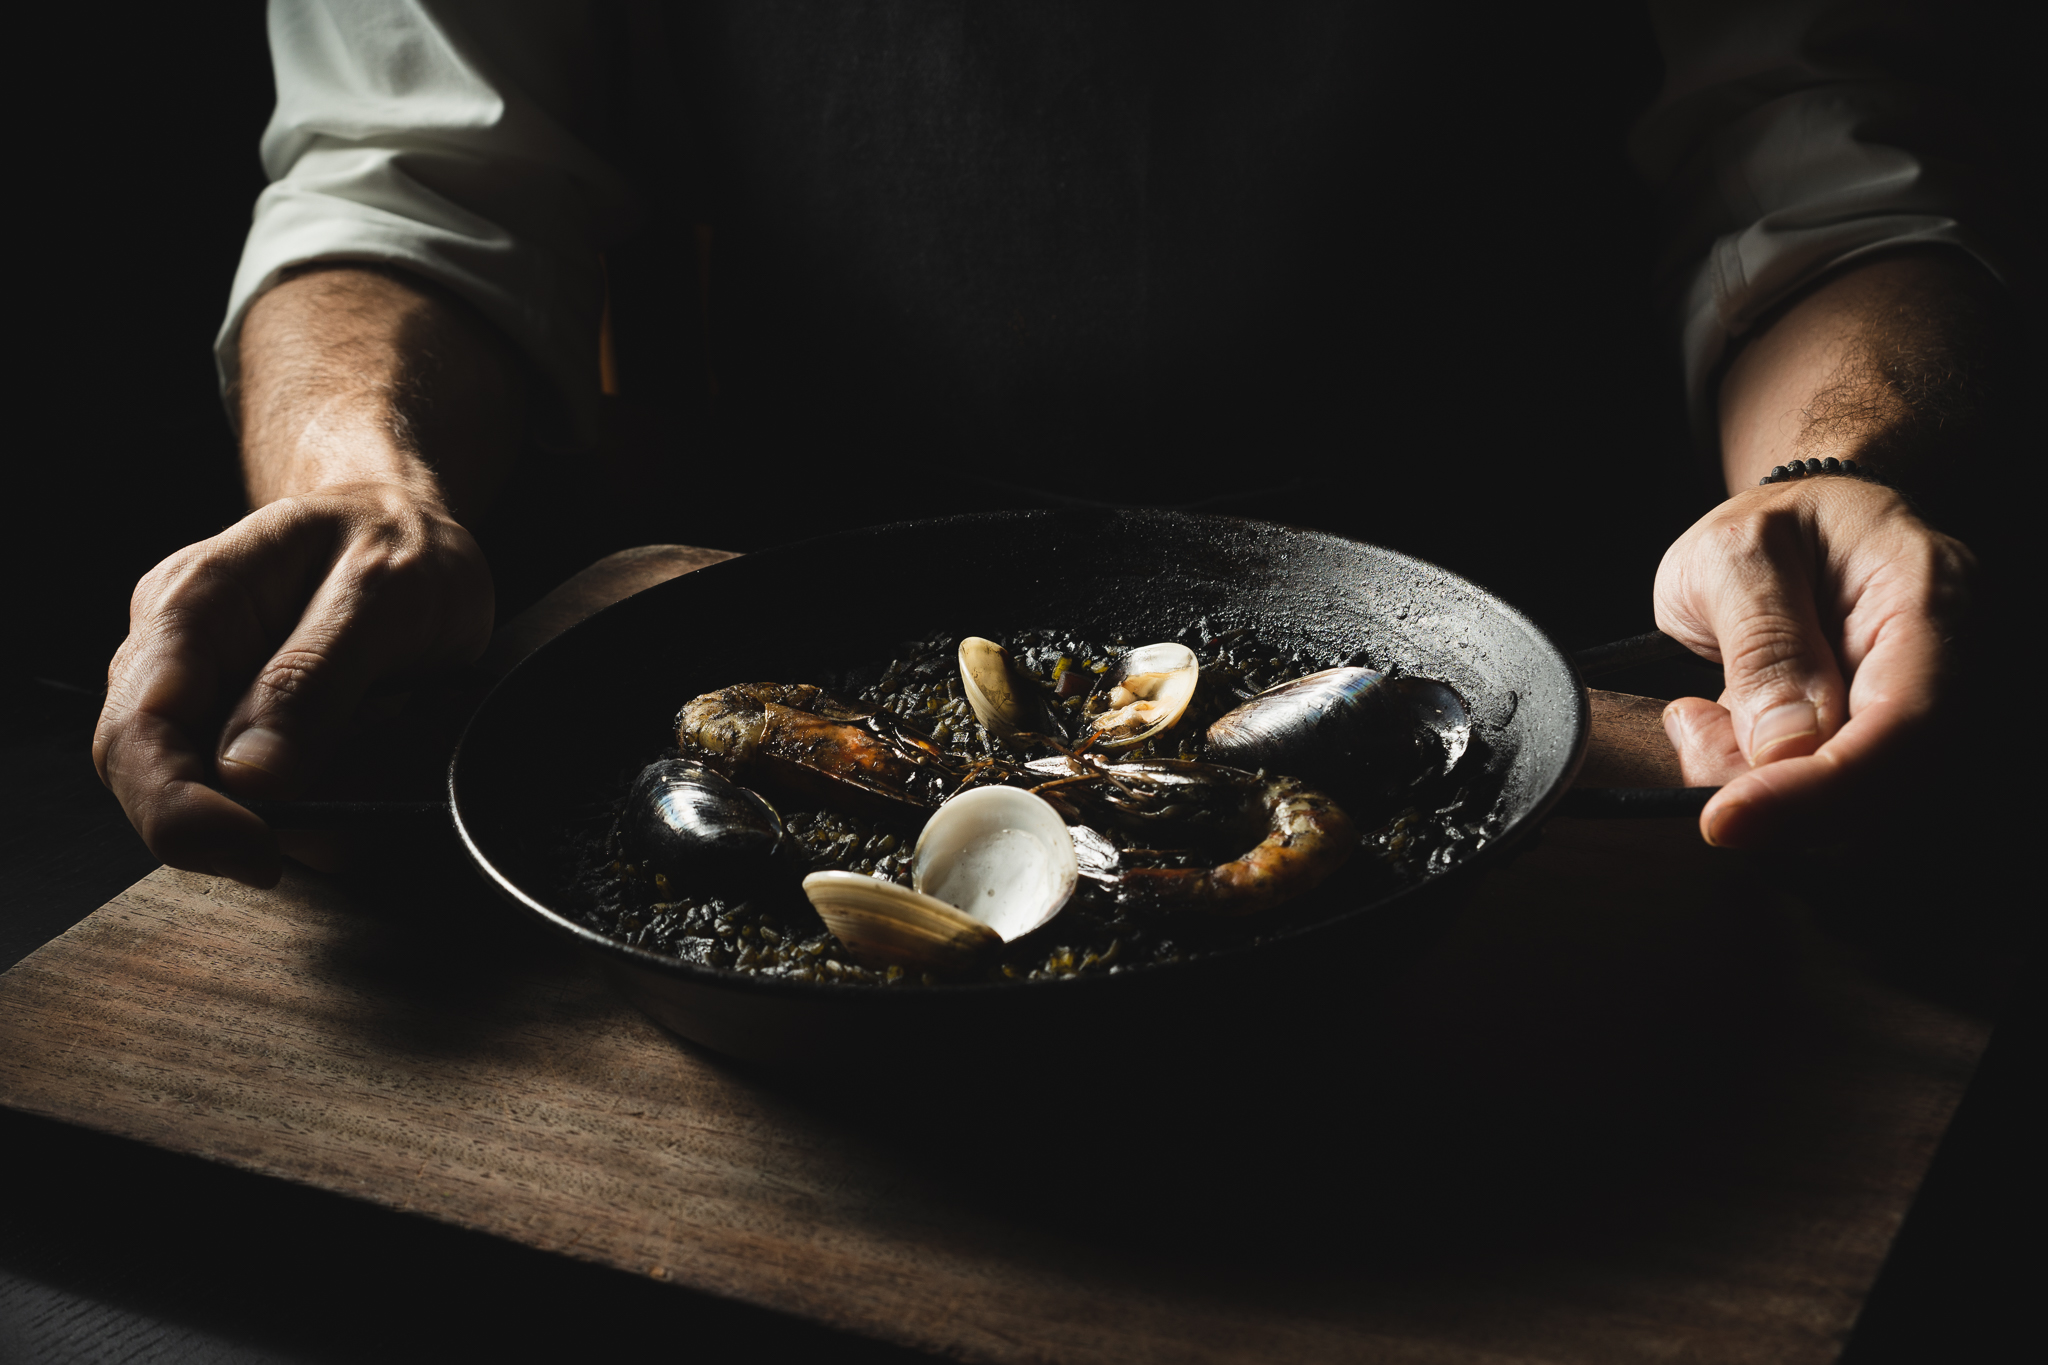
563 734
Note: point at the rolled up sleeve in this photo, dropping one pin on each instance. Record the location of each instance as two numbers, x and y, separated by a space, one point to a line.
449 139
1791 139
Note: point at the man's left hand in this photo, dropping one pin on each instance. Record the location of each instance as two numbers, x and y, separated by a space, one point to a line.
1831 607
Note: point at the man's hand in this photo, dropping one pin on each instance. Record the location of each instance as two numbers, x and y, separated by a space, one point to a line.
316 598
1831 605
377 415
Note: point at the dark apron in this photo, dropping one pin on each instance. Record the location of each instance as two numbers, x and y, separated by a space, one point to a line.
1341 264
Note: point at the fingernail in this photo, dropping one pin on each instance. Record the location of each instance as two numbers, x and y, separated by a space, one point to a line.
1674 728
1719 824
265 750
1780 726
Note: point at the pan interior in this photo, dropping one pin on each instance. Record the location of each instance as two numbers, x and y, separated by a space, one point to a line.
568 729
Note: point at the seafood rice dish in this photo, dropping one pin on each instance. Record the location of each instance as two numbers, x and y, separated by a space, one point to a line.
1035 807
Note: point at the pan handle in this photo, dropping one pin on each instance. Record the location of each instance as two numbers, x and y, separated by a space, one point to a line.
353 817
1632 802
1647 648
1635 803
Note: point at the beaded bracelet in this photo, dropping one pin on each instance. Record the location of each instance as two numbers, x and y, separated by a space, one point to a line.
1800 469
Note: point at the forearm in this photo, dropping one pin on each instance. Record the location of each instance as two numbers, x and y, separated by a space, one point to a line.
354 375
1892 363
1832 605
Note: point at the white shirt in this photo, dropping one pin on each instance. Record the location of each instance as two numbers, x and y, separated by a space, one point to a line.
443 136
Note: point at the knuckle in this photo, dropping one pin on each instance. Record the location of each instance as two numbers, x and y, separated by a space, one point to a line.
1757 533
1740 536
1768 648
1687 629
106 737
290 674
173 577
407 560
181 591
166 632
403 569
179 617
1951 559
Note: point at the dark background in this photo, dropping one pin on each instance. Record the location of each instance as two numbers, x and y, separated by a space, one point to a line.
1549 463
1505 398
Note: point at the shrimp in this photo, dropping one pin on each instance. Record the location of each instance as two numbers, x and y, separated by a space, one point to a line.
1303 835
797 738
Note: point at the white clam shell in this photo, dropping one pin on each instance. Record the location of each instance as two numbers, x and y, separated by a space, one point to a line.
1149 689
992 865
883 924
1001 855
994 690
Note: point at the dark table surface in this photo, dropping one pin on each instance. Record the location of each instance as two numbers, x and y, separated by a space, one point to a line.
111 1250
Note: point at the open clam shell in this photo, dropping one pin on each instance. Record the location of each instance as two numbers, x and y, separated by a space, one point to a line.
992 865
1000 854
1004 701
1144 692
886 925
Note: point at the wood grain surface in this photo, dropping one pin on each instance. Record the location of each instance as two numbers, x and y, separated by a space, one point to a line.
1629 747
1633 1107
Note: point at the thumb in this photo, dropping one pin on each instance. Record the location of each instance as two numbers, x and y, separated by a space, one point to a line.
1757 610
1784 691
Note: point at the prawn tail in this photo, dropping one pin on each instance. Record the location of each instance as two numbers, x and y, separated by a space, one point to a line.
1308 838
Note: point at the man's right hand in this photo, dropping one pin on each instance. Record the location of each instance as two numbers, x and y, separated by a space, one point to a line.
317 598
378 413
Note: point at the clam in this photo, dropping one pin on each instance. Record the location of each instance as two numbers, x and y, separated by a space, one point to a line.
700 830
1005 701
992 865
1350 728
1143 693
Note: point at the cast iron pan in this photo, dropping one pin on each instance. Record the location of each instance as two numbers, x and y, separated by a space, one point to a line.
564 733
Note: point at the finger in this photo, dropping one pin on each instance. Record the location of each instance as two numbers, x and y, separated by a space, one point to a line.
378 613
163 690
1810 799
190 826
1887 748
1755 594
1703 733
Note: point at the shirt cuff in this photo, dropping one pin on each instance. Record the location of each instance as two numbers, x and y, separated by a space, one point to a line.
1816 185
356 203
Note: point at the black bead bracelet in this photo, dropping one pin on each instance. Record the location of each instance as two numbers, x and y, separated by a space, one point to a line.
1803 469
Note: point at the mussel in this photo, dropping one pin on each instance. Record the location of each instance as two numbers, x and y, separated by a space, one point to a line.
1141 694
703 832
1351 729
993 864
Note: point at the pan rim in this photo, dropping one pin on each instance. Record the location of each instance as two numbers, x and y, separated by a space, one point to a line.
721 979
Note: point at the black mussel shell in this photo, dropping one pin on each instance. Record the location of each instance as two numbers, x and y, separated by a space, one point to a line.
704 832
1443 726
1349 730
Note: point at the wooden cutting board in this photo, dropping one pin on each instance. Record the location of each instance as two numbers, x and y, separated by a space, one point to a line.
1635 1108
